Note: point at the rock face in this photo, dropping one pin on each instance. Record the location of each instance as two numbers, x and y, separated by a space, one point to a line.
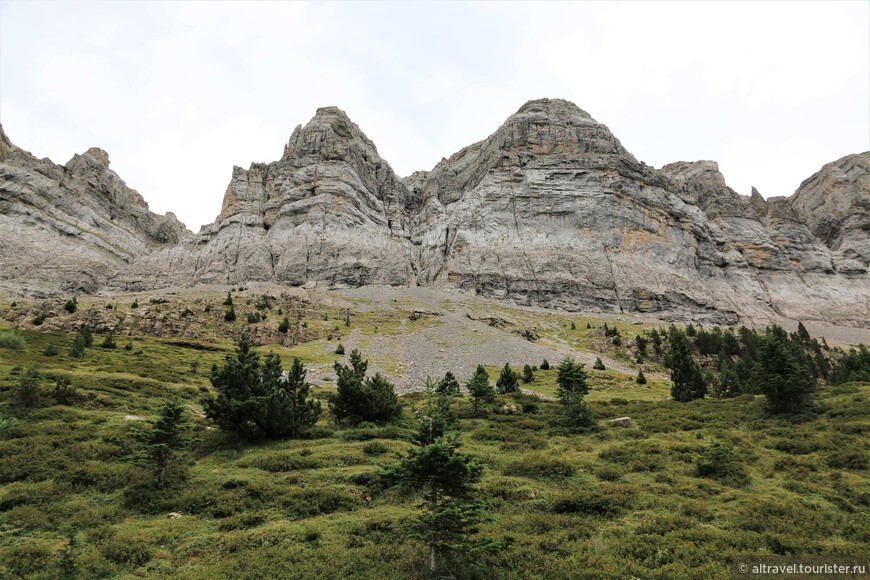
68 228
835 205
549 210
329 212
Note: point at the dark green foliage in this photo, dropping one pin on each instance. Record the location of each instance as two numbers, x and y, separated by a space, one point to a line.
255 400
77 350
685 373
528 374
164 440
229 300
207 308
718 461
108 342
347 318
853 366
447 481
783 372
588 325
573 326
571 381
129 345
437 418
339 350
802 333
286 410
508 380
71 305
578 412
709 343
230 314
28 392
690 331
599 366
479 388
414 317
12 340
253 317
606 503
611 332
448 384
284 326
87 334
38 319
360 398
641 342
135 303
545 365
51 350
64 392
641 379
728 384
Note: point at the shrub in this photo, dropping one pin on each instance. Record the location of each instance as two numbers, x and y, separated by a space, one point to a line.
28 392
853 366
718 461
87 334
135 303
230 314
77 350
573 326
480 389
540 466
64 393
284 326
448 384
599 366
360 398
606 503
51 350
12 340
641 379
339 350
129 345
508 381
545 365
71 305
579 413
38 319
374 448
571 380
108 342
528 374
253 317
229 300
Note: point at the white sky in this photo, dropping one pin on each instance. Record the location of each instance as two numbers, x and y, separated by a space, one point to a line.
178 93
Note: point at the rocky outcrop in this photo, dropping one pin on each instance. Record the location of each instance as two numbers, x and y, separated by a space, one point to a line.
68 228
549 210
330 212
552 210
835 205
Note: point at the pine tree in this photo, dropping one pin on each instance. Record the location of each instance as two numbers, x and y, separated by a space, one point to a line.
286 410
108 342
238 386
802 333
641 379
571 380
77 350
599 365
446 478
685 373
230 314
71 305
88 336
284 326
480 389
29 390
448 384
229 300
166 438
528 374
545 365
362 399
64 392
508 381
135 303
783 371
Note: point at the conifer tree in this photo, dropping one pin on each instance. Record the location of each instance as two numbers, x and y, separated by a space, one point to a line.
165 439
480 389
686 375
508 381
571 381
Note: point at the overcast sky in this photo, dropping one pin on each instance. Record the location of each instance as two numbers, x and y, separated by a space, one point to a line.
178 93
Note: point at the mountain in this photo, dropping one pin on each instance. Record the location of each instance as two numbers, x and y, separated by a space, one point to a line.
69 228
549 210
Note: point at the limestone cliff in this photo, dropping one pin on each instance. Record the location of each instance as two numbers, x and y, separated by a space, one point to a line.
68 228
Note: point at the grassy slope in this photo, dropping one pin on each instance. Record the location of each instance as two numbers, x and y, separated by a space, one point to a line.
300 508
